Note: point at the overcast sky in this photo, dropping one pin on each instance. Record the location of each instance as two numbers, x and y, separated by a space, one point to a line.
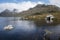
22 5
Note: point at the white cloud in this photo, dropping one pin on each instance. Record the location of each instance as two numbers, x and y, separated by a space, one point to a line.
55 2
20 6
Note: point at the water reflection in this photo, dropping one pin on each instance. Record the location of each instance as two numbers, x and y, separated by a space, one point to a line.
25 25
27 30
42 22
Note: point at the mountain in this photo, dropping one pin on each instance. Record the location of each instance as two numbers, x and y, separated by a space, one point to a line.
37 10
7 13
41 9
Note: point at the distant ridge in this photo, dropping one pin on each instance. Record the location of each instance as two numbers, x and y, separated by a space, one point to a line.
40 8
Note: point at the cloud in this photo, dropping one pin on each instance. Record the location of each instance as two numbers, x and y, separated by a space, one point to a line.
55 2
20 6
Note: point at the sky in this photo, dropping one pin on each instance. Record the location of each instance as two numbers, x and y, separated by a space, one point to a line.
22 5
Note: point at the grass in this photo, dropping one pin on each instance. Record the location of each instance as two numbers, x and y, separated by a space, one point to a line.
40 19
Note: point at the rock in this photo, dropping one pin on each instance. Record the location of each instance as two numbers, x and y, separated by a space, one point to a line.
9 27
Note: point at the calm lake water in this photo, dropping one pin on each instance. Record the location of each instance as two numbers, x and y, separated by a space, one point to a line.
26 30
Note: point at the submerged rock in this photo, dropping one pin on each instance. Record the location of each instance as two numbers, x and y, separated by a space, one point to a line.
47 35
48 32
9 27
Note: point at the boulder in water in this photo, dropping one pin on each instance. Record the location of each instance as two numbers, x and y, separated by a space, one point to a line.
9 27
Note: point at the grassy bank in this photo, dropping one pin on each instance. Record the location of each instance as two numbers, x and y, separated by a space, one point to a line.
40 19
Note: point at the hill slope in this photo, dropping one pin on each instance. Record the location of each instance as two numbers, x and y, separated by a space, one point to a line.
41 8
37 10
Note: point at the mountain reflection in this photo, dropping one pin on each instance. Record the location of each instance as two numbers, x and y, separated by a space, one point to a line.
28 29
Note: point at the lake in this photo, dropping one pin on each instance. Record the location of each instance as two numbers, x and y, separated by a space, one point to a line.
26 30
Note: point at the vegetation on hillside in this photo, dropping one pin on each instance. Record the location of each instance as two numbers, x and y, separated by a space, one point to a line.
37 10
